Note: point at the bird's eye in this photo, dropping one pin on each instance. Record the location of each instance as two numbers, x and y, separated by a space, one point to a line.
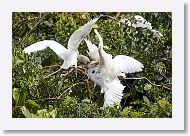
93 71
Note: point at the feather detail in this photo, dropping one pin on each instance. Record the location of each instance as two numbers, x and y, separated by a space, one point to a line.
127 64
114 93
53 45
77 37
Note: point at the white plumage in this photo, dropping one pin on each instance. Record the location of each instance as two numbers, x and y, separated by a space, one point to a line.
93 50
127 64
105 71
71 54
141 22
114 94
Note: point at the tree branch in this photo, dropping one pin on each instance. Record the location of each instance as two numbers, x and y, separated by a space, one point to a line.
69 89
114 18
44 99
40 19
53 73
139 78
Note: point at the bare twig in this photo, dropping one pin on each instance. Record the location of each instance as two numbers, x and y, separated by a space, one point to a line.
139 78
114 18
67 73
44 99
117 15
20 23
80 68
53 73
40 19
69 89
52 66
59 97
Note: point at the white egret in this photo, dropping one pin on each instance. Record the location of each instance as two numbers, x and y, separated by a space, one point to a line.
143 23
104 71
71 54
140 22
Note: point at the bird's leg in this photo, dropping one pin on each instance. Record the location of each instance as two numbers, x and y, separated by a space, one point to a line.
76 70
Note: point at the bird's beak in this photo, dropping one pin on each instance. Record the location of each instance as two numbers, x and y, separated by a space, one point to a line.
101 62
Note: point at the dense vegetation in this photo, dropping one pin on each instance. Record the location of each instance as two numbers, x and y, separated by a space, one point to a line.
148 94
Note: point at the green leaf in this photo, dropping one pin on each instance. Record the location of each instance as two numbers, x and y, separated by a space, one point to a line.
147 87
33 103
126 95
146 100
16 94
95 26
86 100
18 61
21 97
26 112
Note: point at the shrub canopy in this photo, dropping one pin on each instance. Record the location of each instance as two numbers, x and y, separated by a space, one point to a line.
147 94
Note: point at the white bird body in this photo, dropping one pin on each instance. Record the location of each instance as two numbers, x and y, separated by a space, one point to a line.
69 55
141 22
105 72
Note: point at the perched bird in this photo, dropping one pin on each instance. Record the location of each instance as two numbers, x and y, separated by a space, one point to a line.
104 71
69 54
143 23
140 22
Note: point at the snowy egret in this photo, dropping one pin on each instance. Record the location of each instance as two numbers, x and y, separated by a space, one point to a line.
71 54
104 71
143 23
140 22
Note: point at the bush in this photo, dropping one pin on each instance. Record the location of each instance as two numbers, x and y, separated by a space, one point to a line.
147 94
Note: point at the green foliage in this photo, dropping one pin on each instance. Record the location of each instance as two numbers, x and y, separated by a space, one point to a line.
64 95
44 113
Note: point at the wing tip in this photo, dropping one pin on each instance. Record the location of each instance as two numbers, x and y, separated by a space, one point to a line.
26 51
93 21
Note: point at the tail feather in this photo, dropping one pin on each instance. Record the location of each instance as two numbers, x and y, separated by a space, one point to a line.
114 93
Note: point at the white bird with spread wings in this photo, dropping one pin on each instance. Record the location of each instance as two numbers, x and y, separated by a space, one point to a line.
104 71
69 54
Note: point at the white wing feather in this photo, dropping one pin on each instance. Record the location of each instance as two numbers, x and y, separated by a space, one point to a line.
38 46
69 57
114 93
127 64
100 39
77 37
92 50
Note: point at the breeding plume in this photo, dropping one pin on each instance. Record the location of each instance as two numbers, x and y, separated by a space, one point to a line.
69 54
104 71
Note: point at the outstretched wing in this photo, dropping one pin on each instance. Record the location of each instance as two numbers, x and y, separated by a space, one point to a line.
114 93
38 46
92 50
77 37
127 64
